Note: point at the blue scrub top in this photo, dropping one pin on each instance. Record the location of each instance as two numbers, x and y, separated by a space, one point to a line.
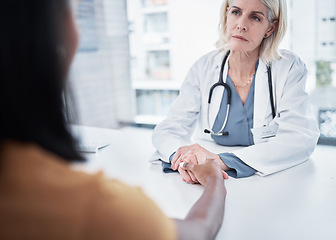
239 125
240 119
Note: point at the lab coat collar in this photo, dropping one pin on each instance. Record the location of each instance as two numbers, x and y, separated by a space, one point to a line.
219 58
261 95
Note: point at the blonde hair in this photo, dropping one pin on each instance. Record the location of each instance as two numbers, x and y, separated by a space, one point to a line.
269 48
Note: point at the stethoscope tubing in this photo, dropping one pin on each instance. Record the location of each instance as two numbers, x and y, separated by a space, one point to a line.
228 90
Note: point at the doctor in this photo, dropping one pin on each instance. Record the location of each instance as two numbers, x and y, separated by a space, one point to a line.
246 93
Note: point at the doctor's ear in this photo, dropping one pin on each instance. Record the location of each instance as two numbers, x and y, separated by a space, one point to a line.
272 28
227 11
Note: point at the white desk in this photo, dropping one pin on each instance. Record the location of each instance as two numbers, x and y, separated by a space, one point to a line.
298 203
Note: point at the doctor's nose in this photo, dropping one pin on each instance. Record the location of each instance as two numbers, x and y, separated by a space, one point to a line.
242 25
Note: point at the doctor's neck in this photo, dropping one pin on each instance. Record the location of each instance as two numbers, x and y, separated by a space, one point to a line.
243 62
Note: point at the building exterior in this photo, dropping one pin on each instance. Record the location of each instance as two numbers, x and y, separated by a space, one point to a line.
313 35
166 38
313 29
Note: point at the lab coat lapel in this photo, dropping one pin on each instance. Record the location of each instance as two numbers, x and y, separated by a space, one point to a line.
218 91
261 95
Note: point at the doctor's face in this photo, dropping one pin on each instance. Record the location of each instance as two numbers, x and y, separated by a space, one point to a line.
247 25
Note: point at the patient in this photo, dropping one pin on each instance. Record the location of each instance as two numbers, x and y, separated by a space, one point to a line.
40 196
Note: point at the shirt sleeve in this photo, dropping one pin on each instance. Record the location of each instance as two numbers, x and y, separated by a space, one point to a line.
166 167
239 169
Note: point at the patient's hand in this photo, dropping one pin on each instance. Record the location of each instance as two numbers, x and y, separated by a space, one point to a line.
187 175
194 154
205 171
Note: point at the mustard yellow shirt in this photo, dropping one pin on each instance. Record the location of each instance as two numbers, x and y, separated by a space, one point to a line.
42 198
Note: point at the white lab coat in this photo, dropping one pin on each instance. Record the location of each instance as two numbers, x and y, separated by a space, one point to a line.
297 132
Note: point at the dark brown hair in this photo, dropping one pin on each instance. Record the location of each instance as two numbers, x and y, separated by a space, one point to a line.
31 75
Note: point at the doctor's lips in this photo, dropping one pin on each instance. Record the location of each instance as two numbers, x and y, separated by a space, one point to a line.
239 37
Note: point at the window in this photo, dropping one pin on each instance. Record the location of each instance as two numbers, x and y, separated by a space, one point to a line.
316 46
156 22
166 38
99 76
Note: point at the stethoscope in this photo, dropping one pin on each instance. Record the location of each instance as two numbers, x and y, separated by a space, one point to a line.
228 90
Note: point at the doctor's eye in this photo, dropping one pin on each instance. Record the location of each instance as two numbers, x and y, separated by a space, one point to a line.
235 12
256 18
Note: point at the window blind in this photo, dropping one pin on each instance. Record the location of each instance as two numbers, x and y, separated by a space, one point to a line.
99 76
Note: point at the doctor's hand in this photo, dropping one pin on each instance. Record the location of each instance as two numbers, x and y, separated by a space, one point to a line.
203 172
187 175
184 154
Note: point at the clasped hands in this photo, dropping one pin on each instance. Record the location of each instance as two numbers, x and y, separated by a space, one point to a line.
196 155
